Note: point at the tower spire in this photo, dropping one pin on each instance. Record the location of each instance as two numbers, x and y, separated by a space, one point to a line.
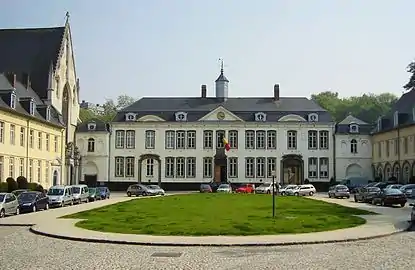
67 17
221 65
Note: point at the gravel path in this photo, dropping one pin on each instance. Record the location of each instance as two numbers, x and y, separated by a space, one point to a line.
24 250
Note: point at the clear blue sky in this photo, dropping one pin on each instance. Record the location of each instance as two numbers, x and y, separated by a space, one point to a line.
171 47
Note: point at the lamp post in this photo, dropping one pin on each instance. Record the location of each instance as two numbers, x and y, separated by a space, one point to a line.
273 194
77 159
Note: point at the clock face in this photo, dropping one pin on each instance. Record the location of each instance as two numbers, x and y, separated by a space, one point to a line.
221 115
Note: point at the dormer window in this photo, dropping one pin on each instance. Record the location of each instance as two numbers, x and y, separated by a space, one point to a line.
130 116
313 117
413 113
354 128
379 124
92 126
260 117
396 119
181 116
48 113
32 107
13 100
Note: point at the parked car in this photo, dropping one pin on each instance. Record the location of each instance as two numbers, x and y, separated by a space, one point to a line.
9 204
388 197
302 190
31 201
93 195
382 185
104 192
355 182
156 190
395 186
205 188
246 188
286 188
80 193
224 188
366 194
138 189
17 192
266 188
412 214
60 196
408 190
339 191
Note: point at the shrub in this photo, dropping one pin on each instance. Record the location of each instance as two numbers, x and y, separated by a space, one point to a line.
332 181
412 180
393 179
306 181
22 182
32 186
11 184
39 188
4 187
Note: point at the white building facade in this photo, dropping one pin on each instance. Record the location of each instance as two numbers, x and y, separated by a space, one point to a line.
178 142
353 149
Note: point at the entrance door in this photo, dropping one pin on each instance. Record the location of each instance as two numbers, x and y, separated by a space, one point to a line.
55 178
292 170
91 180
223 174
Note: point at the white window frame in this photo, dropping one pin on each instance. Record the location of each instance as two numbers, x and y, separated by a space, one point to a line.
208 139
312 139
170 167
207 167
1 168
313 167
354 128
130 139
129 166
150 167
271 166
91 145
47 172
30 170
130 117
13 100
180 167
220 134
11 167
39 171
150 139
92 126
22 136
324 139
250 139
55 143
191 167
313 117
181 116
170 138
191 139
21 167
233 139
324 167
1 132
260 139
396 146
260 117
119 139
180 139
32 138
353 146
291 140
39 140
47 143
48 113
271 139
119 166
12 134
32 107
250 167
260 167
233 167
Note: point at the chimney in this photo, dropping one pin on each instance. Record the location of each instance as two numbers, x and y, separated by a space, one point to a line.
26 80
11 77
203 90
276 92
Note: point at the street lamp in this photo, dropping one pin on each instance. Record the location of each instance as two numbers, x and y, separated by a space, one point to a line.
273 193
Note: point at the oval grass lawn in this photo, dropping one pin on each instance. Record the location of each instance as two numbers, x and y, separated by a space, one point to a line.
219 214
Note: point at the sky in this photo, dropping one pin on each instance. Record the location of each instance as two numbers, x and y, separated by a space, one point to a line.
170 47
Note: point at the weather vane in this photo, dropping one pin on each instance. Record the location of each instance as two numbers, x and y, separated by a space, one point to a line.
67 16
221 64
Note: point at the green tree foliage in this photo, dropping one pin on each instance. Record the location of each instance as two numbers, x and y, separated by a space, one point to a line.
110 109
367 107
411 84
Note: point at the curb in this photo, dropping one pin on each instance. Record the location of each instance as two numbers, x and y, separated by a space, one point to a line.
17 225
121 242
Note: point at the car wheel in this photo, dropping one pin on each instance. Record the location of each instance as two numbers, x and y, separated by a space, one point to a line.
355 199
283 193
17 211
382 203
2 213
144 194
311 193
296 194
71 203
348 197
47 206
373 202
34 208
129 194
269 192
402 205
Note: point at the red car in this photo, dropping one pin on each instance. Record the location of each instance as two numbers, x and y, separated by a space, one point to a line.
246 188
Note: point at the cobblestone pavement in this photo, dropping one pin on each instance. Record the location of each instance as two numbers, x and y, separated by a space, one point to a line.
24 250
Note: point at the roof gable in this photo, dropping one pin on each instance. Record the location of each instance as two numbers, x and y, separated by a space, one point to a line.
220 114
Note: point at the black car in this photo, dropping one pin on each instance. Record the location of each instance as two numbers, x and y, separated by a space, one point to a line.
388 197
31 201
366 194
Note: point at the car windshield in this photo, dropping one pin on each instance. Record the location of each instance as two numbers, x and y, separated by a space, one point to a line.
265 185
92 190
224 186
1 197
19 191
205 186
76 190
153 187
373 189
102 189
55 191
27 196
393 191
341 188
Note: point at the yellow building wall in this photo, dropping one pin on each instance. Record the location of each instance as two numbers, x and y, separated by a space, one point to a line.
30 148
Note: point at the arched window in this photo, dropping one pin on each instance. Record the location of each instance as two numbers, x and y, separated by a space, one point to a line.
353 146
91 145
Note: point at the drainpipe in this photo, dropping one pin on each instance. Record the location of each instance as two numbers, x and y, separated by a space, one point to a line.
109 153
334 154
63 155
399 155
27 147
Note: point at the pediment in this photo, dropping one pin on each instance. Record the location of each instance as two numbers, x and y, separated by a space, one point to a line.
151 118
292 118
220 114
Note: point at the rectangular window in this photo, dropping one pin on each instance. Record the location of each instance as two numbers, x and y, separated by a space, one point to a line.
47 144
31 138
292 140
169 167
39 140
208 139
324 139
129 166
312 139
379 149
233 139
249 139
22 136
260 167
150 139
39 171
180 167
30 170
191 139
130 139
21 167
91 145
119 167
220 134
387 148
150 167
191 167
12 134
271 166
233 167
55 143
396 142
170 139
405 145
324 168
250 167
207 167
1 168
11 167
260 139
312 167
47 171
180 139
119 140
1 132
271 139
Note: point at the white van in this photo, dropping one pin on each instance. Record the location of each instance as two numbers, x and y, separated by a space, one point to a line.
60 196
80 193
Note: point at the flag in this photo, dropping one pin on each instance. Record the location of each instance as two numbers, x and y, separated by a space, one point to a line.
226 144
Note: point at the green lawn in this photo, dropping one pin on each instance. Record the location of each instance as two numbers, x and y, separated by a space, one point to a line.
219 214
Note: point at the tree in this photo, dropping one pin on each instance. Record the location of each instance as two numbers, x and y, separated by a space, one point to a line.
21 182
11 184
86 115
411 84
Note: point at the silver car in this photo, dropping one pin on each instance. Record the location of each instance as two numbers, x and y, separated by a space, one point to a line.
156 190
60 196
339 191
408 190
9 205
287 189
304 190
412 213
224 188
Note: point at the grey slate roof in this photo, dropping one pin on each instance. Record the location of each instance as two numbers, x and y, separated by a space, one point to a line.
100 126
343 127
350 119
222 77
31 51
404 107
23 92
243 107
